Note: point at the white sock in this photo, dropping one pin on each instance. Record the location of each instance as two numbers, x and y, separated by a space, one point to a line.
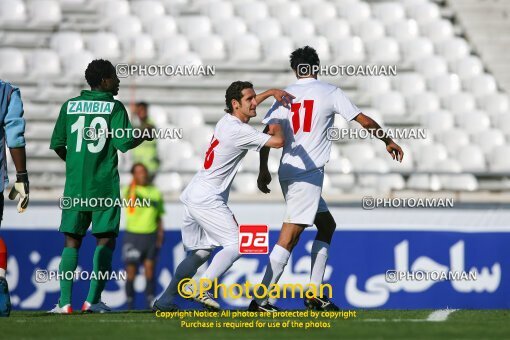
186 269
277 261
319 258
222 261
2 272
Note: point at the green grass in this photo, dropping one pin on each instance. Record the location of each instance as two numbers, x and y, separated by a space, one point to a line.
373 324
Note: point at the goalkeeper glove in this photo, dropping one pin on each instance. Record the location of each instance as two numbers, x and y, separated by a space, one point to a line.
20 188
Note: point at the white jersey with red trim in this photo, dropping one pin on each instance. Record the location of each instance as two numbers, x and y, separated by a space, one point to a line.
231 141
305 124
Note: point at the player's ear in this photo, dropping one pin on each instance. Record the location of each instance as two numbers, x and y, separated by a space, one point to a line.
235 104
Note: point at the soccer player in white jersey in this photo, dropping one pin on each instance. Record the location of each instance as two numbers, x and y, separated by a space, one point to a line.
305 124
208 221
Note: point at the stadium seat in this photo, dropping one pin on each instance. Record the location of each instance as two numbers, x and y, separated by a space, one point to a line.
44 13
388 12
452 139
298 27
44 63
171 46
344 182
383 50
353 11
229 28
266 28
349 49
437 121
452 49
75 63
460 182
467 67
502 122
446 165
416 49
147 10
358 153
319 43
375 165
339 165
218 10
188 58
499 160
169 182
409 83
159 116
251 10
459 102
473 122
103 45
389 103
139 47
125 27
192 164
209 47
66 42
373 85
424 182
194 25
187 117
368 30
481 85
284 10
494 103
429 155
161 27
250 163
422 103
246 183
423 12
445 84
12 62
437 30
277 48
390 182
110 9
12 12
403 30
431 66
334 29
320 11
244 47
471 158
489 139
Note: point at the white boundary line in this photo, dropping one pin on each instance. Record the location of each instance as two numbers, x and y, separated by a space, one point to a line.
436 316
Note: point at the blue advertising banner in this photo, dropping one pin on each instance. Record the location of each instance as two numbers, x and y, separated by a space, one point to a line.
366 269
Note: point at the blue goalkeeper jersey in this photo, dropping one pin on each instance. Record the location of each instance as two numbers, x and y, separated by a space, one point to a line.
13 125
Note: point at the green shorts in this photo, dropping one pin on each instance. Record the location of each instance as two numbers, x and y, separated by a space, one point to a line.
103 221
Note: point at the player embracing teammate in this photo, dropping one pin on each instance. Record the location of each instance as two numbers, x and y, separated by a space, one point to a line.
301 173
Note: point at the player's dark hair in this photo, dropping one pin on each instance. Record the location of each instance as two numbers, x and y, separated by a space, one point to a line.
234 91
144 104
136 165
304 55
98 70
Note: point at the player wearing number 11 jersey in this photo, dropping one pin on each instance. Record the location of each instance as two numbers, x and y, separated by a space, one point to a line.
208 221
91 176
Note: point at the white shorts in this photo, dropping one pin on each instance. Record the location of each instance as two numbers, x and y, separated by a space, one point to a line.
207 228
303 198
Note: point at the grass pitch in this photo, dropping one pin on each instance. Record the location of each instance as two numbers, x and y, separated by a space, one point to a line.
372 324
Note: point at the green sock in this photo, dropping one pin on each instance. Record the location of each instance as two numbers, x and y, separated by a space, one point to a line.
68 263
102 264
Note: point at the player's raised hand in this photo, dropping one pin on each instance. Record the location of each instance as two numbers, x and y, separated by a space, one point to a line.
20 189
263 181
283 97
395 151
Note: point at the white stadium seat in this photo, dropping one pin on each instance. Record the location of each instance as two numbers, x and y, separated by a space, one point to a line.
384 50
376 165
321 11
277 48
453 49
298 27
473 122
209 47
245 47
431 66
187 117
200 138
192 164
388 12
481 85
403 30
104 45
459 102
339 165
460 182
353 11
283 10
44 63
494 103
373 85
169 182
334 29
44 13
368 30
12 12
188 58
499 160
358 152
140 47
471 158
445 84
126 26
422 103
409 83
431 154
76 63
344 182
246 183
389 103
437 30
489 139
424 182
218 10
147 10
12 62
417 48
162 26
110 9
266 28
502 122
452 139
66 42
319 43
171 46
437 121
251 10
446 165
194 25
467 67
349 49
229 28
423 12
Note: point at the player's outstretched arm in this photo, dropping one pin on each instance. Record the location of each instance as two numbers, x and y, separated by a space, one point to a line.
280 95
371 125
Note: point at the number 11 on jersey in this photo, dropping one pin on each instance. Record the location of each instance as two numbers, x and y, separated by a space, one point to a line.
296 121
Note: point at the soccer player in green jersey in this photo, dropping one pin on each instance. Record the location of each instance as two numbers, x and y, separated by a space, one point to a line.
92 178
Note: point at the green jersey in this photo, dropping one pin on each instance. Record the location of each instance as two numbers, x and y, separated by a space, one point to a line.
144 219
91 162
